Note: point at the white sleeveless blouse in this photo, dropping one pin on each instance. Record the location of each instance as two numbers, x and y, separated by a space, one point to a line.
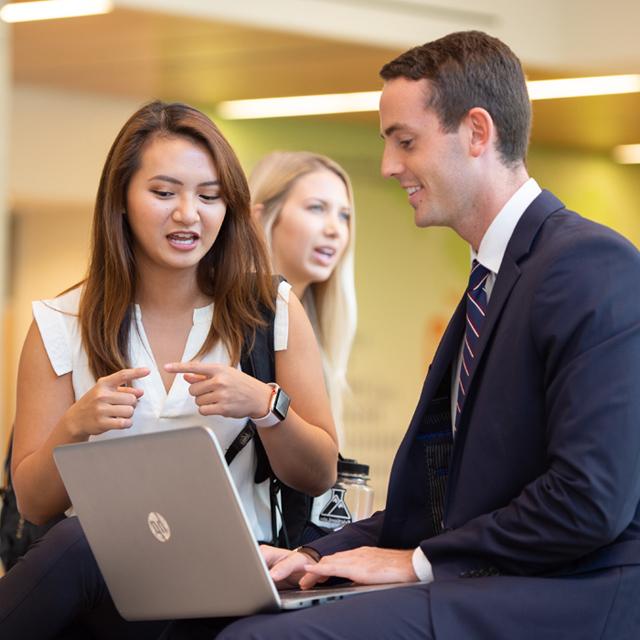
57 321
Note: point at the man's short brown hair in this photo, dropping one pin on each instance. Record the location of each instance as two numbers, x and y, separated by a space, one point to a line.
472 69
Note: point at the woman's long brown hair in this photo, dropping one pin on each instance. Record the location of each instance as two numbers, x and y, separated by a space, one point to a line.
235 272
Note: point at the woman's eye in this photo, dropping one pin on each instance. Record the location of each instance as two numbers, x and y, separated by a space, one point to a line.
406 144
345 216
315 207
162 194
208 198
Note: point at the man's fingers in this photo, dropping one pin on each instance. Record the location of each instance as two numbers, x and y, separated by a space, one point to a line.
330 568
272 555
310 580
326 570
293 563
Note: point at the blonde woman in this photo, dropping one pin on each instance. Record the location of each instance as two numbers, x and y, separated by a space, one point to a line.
304 202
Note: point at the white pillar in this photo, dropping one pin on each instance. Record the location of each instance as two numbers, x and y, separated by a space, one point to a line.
5 97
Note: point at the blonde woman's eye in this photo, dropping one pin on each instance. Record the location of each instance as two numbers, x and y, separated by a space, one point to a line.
316 208
345 216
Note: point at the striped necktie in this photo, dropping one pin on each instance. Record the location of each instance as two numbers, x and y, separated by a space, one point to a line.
476 308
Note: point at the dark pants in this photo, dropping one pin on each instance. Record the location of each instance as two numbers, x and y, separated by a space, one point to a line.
381 615
601 605
58 585
56 590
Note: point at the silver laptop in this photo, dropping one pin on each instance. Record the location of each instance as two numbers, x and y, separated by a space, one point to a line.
164 521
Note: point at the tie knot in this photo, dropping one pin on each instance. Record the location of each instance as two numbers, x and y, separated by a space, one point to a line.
478 276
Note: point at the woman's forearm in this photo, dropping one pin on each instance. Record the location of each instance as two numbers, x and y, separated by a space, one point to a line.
302 455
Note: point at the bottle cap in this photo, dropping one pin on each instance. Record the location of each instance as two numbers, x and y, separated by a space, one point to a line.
352 467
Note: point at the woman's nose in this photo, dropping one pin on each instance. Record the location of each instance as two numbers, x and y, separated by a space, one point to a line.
186 212
331 224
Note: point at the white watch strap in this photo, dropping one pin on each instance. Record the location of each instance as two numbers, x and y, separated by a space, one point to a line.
270 419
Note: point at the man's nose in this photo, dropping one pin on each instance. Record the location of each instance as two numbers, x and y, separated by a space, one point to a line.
390 166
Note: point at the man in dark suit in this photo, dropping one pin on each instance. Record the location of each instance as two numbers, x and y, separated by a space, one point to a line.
513 499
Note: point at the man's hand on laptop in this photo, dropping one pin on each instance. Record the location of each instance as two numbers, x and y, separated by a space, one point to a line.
285 567
364 565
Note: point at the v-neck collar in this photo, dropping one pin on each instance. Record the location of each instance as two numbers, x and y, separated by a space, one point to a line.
166 403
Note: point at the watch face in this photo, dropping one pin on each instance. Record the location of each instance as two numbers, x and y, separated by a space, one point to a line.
281 404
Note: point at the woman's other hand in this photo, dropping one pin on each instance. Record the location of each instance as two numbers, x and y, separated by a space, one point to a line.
108 405
222 390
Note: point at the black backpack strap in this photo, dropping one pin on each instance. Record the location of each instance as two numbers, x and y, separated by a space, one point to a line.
240 441
258 360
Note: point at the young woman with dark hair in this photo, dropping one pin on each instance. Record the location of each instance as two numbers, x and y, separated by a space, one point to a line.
152 339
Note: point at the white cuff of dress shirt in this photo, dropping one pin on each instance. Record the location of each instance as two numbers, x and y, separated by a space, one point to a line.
421 566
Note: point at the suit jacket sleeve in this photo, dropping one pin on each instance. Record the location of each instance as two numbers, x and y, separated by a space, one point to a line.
585 323
358 534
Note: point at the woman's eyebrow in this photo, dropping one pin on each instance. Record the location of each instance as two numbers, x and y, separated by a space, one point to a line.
165 179
208 183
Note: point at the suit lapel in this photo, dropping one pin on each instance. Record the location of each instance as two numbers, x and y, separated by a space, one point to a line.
404 514
449 344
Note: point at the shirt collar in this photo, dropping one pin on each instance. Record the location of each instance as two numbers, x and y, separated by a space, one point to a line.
496 238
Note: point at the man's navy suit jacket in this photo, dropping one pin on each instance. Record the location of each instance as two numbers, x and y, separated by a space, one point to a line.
544 478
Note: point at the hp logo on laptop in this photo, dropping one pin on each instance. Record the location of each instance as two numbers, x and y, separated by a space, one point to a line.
158 526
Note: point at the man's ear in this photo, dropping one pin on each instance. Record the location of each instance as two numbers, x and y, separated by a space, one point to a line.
256 211
481 131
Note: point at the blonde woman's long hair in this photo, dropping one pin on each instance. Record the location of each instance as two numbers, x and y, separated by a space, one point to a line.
330 305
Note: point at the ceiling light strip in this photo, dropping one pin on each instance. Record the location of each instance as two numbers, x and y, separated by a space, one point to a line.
300 105
52 9
627 154
368 100
579 87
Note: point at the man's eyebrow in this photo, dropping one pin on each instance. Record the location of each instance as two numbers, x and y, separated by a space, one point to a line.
391 130
208 183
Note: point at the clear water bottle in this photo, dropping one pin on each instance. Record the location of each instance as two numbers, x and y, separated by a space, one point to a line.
350 499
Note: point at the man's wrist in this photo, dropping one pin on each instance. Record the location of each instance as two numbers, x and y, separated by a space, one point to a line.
308 551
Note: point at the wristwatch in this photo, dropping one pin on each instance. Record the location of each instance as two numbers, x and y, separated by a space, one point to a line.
278 407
